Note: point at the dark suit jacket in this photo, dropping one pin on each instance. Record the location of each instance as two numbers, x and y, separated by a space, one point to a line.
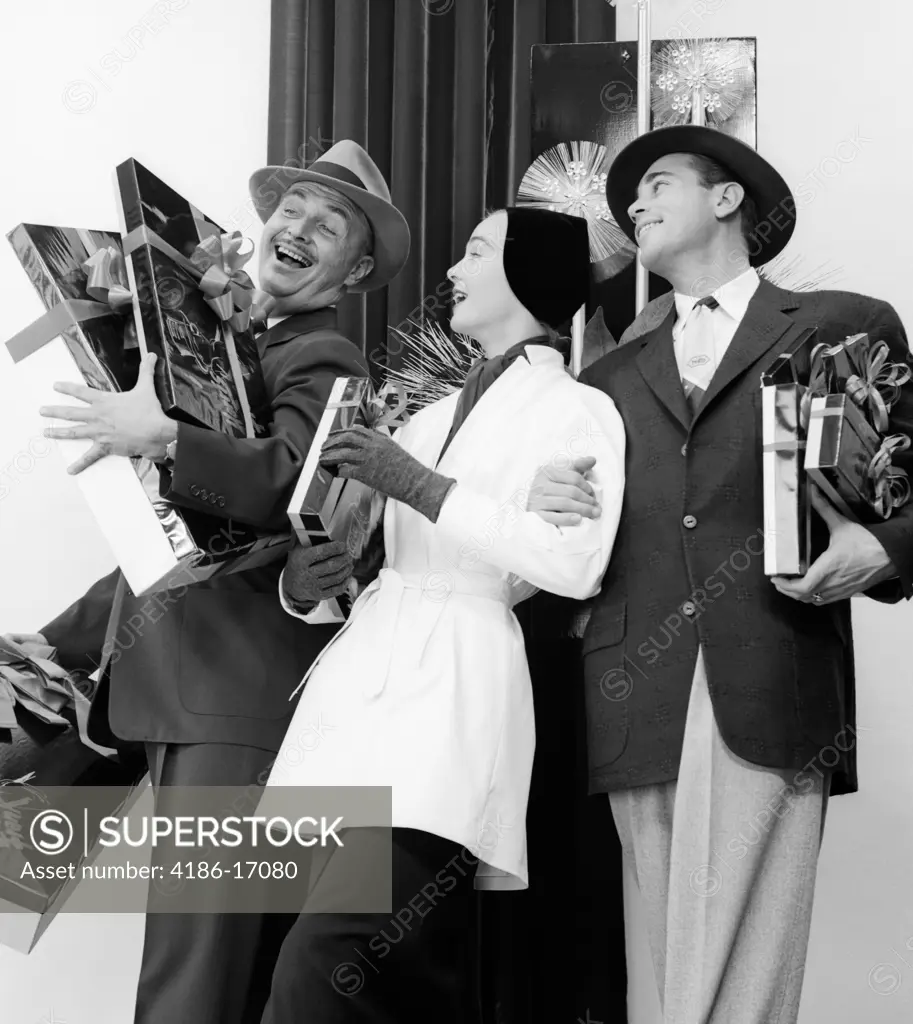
780 672
216 662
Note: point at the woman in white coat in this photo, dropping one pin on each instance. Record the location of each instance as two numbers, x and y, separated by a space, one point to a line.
426 689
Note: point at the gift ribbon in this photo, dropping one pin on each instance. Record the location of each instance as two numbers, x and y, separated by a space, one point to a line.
43 688
890 484
378 412
879 387
106 275
228 291
46 328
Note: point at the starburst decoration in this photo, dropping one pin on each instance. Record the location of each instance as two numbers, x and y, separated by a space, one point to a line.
701 81
433 365
571 178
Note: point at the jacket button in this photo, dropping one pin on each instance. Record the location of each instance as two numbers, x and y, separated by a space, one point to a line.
688 608
689 522
221 502
194 490
684 449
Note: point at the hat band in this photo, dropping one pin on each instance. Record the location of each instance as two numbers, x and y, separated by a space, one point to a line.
332 170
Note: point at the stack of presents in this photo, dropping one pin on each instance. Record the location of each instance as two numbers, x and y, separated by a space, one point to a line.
172 283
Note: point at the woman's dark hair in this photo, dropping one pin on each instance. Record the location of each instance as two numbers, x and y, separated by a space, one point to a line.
711 173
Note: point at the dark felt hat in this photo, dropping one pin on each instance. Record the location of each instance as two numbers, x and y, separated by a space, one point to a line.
547 262
773 198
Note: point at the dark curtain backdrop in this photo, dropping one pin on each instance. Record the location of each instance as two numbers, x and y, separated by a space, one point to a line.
438 92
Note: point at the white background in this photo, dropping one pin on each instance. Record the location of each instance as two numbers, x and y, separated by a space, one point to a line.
189 99
84 86
830 71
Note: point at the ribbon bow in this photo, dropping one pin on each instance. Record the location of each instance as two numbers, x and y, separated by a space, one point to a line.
879 386
107 278
890 484
378 411
228 289
817 383
43 688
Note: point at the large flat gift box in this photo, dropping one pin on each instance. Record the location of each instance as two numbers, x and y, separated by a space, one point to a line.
42 746
86 337
787 508
192 302
327 507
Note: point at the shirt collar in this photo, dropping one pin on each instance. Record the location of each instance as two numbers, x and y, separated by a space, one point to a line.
283 328
733 296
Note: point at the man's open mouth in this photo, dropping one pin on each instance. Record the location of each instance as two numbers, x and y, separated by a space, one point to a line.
457 298
290 257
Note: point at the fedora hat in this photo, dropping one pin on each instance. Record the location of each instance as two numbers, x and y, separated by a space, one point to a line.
348 169
774 201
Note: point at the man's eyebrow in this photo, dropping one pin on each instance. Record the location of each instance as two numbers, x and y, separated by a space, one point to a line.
479 238
653 175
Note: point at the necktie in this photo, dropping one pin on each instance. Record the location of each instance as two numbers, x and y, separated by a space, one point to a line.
697 363
481 377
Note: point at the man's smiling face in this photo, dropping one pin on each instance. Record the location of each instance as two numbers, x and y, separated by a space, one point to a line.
314 245
673 212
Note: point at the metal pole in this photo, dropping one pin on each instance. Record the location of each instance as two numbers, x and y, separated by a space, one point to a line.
644 46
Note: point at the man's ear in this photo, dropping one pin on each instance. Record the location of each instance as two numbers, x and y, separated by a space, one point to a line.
729 199
360 271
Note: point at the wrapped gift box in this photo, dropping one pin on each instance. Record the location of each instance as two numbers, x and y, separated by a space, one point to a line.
845 360
841 447
208 372
38 751
326 507
787 508
83 340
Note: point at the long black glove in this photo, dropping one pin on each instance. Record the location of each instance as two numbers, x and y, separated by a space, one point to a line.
378 461
314 574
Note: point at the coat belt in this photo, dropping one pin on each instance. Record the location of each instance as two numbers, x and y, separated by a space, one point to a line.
437 586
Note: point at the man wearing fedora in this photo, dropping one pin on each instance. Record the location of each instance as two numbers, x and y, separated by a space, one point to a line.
205 682
720 702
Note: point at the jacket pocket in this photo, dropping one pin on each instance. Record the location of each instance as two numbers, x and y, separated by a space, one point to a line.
606 628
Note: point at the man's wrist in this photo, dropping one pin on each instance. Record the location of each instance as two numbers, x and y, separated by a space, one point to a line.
165 441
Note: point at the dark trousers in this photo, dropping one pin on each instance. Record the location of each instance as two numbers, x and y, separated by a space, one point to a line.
415 963
207 968
556 952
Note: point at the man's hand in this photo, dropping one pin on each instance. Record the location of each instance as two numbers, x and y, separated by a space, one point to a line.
120 423
30 642
316 573
384 465
562 496
853 562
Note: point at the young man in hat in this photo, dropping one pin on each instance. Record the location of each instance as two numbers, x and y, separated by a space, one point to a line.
427 684
721 710
204 681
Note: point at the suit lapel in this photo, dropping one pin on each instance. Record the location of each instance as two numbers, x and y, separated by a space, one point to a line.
295 325
656 362
764 325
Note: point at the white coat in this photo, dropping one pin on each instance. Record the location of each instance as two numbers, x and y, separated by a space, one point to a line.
426 688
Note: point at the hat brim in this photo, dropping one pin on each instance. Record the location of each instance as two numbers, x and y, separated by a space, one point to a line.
774 201
392 238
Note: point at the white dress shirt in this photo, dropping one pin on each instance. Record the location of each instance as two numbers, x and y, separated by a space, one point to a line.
733 298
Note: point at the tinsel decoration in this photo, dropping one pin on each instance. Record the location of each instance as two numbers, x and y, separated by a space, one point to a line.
571 178
433 365
700 81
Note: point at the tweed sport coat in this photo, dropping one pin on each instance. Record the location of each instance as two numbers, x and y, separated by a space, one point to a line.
687 568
